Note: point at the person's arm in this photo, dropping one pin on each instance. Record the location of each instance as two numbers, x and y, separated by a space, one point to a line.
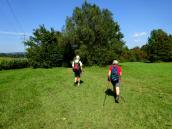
120 72
72 64
109 73
81 65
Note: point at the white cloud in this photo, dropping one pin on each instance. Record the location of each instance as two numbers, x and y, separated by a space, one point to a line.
13 33
140 34
137 40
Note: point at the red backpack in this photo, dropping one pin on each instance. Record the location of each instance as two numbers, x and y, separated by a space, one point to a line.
76 66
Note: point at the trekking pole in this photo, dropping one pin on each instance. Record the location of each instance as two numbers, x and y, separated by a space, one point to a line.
106 93
122 96
104 100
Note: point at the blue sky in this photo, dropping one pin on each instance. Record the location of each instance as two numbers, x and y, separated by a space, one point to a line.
137 18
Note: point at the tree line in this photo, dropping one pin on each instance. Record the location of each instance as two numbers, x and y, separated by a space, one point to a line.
13 54
92 33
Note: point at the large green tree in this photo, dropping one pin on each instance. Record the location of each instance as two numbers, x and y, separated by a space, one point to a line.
44 48
138 54
90 32
94 34
159 47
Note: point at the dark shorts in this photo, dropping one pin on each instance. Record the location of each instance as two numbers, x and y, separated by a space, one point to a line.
77 73
116 83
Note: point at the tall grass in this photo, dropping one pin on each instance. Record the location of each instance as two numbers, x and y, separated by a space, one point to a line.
13 63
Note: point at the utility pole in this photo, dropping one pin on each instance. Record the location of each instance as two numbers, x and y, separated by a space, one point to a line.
24 39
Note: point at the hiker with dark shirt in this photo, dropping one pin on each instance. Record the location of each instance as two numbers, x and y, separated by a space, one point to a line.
114 76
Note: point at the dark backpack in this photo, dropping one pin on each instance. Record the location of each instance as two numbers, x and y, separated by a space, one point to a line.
114 74
76 66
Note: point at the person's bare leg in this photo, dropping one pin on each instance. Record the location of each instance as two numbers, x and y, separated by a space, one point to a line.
114 90
75 79
117 94
117 91
78 81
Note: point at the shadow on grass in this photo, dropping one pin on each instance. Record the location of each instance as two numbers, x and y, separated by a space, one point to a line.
81 81
109 92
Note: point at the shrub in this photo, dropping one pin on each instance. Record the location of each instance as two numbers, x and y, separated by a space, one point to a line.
15 63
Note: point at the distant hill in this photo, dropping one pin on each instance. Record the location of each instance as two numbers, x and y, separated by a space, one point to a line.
13 54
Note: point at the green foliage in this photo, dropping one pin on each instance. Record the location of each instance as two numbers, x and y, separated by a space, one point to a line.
138 55
92 33
95 33
159 47
13 63
44 48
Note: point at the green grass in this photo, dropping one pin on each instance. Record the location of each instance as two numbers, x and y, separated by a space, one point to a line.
47 99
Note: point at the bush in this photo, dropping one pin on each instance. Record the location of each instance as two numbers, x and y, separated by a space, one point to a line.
14 64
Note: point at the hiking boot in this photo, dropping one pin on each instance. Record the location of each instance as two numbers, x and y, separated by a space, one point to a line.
78 84
75 83
117 99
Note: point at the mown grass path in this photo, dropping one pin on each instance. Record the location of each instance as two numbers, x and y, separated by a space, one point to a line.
46 98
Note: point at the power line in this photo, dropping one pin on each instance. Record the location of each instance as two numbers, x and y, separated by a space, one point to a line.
17 21
6 18
14 15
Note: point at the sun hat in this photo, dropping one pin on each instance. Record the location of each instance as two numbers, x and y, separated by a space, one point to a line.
77 57
115 62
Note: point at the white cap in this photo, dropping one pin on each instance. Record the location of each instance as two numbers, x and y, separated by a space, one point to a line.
77 57
115 62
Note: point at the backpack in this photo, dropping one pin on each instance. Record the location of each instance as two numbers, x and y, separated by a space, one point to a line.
114 74
76 66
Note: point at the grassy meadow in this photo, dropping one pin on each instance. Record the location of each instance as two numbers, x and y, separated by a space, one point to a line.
46 98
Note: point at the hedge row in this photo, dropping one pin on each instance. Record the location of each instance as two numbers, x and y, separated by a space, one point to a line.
14 63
